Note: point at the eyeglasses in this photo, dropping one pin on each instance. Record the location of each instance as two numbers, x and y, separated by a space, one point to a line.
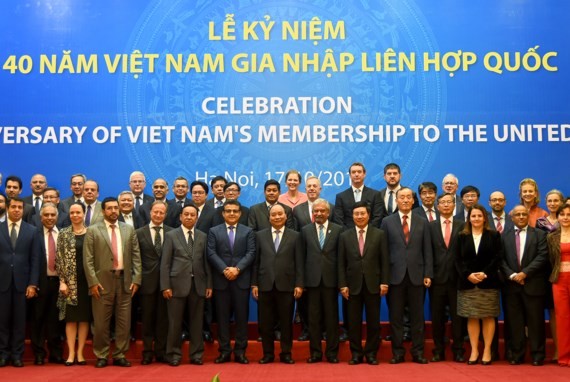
446 202
497 200
232 190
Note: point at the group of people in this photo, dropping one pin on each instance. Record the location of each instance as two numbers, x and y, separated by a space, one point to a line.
188 258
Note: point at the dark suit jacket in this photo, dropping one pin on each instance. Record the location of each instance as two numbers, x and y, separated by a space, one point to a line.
178 266
443 257
258 218
220 255
150 259
145 199
419 211
137 220
321 264
534 261
98 257
508 222
415 257
302 216
383 196
66 203
486 260
282 269
20 265
345 201
206 219
173 212
210 202
373 267
144 213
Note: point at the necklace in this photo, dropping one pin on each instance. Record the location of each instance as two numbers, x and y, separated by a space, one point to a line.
81 231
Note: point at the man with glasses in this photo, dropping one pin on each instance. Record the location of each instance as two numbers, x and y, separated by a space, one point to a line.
137 183
180 190
217 184
77 182
450 185
499 220
428 192
469 196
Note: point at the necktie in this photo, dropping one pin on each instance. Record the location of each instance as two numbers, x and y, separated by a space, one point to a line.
276 242
498 224
390 202
430 215
190 243
321 235
406 228
114 247
231 236
447 235
138 203
51 251
180 203
157 240
357 195
13 235
518 246
219 203
88 216
361 242
37 205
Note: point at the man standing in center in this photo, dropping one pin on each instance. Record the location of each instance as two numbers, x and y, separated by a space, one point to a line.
411 270
112 263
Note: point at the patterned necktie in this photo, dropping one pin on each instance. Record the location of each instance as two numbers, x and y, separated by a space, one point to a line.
322 235
430 215
518 246
447 236
138 203
406 228
357 195
51 251
37 206
231 236
498 224
190 243
391 202
157 240
276 242
88 216
114 247
219 203
361 242
13 235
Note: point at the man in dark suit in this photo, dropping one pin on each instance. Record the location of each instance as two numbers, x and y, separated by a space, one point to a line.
277 280
45 314
217 184
231 252
259 213
137 183
3 202
363 276
77 182
232 191
180 189
392 177
159 190
469 196
51 195
112 263
428 192
199 191
13 190
499 220
357 192
185 279
525 269
320 241
411 271
19 273
38 184
128 213
154 315
443 290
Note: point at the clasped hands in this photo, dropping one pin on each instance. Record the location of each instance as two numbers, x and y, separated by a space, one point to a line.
477 277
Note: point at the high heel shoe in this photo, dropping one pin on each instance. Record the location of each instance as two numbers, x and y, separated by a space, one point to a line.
486 363
475 362
69 363
82 363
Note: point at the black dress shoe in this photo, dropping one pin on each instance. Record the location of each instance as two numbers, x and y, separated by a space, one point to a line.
146 361
174 362
223 358
437 358
332 360
286 359
538 362
458 358
240 358
514 362
303 337
314 359
266 359
57 360
196 361
355 361
39 360
371 360
397 359
208 337
101 362
3 362
17 363
343 337
122 362
419 359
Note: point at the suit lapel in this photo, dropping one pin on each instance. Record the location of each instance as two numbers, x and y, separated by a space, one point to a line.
103 231
182 240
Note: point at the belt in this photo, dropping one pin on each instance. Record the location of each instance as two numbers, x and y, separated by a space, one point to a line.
118 272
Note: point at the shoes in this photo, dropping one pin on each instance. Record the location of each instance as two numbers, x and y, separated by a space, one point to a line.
17 363
101 362
303 337
538 362
286 359
69 363
371 360
122 362
332 360
208 337
174 362
343 337
82 363
514 362
196 361
223 358
57 360
397 359
419 359
39 360
355 361
437 358
314 359
458 358
3 362
241 359
146 361
266 359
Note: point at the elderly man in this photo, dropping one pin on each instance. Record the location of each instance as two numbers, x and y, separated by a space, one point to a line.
129 214
137 183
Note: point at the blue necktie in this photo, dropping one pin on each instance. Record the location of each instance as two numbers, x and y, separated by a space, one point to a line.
276 242
322 235
231 236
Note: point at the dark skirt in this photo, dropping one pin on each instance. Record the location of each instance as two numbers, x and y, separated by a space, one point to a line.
82 311
478 303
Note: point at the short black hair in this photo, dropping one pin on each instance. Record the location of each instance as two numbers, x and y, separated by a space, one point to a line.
201 184
467 189
271 182
427 186
391 166
217 179
108 199
14 178
361 204
229 184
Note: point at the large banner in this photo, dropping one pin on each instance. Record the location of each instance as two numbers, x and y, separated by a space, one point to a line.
249 89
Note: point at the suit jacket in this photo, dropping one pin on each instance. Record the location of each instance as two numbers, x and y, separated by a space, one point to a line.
173 212
258 218
303 217
461 213
534 262
415 257
19 265
137 220
62 220
206 219
221 255
421 212
486 260
66 203
98 257
150 259
444 257
145 199
219 218
321 264
210 202
372 268
383 196
178 266
282 268
508 222
171 215
345 201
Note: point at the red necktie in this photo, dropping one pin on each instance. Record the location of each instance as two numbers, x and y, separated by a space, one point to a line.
51 251
406 228
447 236
114 247
361 242
499 225
430 216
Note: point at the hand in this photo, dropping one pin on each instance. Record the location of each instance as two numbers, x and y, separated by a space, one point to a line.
167 294
31 291
298 292
519 277
255 292
63 289
95 291
231 273
344 292
427 282
134 288
208 292
383 290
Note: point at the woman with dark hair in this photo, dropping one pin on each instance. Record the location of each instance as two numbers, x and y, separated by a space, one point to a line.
293 197
530 197
74 302
479 253
559 248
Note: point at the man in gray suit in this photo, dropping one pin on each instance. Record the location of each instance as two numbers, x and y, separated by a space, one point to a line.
112 263
411 271
93 213
185 279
